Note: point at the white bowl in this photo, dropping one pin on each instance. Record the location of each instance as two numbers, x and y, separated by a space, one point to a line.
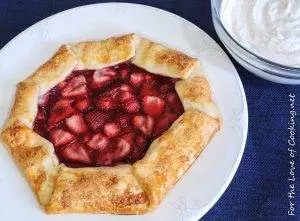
254 63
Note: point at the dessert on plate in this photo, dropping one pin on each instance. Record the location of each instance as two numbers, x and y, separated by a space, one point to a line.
110 126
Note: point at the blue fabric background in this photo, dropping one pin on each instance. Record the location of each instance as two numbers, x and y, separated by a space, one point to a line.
259 188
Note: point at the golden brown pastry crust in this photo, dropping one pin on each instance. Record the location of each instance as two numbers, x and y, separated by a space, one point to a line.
159 59
122 189
35 156
102 189
195 93
100 54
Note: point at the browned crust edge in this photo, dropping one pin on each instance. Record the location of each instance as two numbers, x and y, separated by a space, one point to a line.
159 59
195 94
103 189
35 155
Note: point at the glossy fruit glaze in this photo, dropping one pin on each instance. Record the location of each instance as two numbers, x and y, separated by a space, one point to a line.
108 116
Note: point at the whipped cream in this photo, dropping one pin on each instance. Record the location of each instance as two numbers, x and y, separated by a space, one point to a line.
269 28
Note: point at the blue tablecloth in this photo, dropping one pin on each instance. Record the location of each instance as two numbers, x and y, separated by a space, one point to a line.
259 190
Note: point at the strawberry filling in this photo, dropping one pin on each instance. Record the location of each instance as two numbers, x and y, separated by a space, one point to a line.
108 116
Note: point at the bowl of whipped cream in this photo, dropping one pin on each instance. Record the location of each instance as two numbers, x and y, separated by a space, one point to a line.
262 35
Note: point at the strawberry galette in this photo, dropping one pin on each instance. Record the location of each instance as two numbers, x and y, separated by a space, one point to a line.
110 126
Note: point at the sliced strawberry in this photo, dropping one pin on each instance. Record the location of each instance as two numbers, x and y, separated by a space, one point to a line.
108 116
171 117
40 127
76 124
139 149
109 71
140 141
144 124
136 79
98 142
54 96
105 158
164 123
78 92
43 100
111 129
125 96
61 110
125 87
174 102
96 119
49 98
124 93
102 78
132 106
172 99
150 78
61 137
124 74
84 104
124 71
123 120
129 137
106 103
112 93
61 85
75 87
87 137
153 106
41 115
148 89
123 149
76 152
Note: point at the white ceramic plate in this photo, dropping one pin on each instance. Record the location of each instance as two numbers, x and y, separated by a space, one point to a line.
209 176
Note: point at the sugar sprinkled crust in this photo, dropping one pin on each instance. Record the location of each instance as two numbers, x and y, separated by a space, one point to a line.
159 59
122 189
195 93
35 157
105 189
100 54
